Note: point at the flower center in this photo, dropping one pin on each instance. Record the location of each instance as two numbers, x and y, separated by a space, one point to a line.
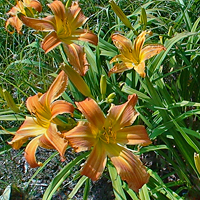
107 135
63 30
42 118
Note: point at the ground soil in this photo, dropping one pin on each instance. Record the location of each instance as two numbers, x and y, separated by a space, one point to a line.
15 170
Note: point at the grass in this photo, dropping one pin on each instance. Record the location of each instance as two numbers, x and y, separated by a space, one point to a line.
169 95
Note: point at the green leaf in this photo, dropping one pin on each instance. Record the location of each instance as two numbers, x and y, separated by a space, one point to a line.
25 62
129 90
76 79
7 193
129 191
62 175
183 103
106 48
152 148
5 149
116 183
161 187
168 44
91 58
86 189
82 180
41 168
12 117
186 137
144 193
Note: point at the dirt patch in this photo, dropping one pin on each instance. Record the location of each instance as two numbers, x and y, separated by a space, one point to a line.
15 170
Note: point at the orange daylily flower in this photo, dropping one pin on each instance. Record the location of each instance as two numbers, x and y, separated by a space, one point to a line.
21 7
43 124
107 136
133 55
63 29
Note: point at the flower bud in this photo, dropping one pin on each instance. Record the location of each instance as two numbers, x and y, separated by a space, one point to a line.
120 14
77 80
143 18
1 92
8 98
170 32
161 39
110 97
197 162
103 85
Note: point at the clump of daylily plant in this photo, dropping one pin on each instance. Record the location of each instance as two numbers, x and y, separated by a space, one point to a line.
106 136
90 110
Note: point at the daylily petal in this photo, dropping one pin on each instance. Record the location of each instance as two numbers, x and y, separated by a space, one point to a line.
36 5
128 166
121 42
77 58
14 22
30 153
120 67
81 137
57 87
124 45
40 104
60 107
53 139
28 129
140 69
120 57
32 103
21 5
75 16
92 112
61 21
85 35
26 2
95 163
41 111
50 42
13 11
151 50
58 9
123 115
133 135
37 24
138 43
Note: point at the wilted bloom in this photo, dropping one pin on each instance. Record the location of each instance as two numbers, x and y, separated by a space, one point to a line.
107 136
63 29
133 55
43 123
77 58
27 8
